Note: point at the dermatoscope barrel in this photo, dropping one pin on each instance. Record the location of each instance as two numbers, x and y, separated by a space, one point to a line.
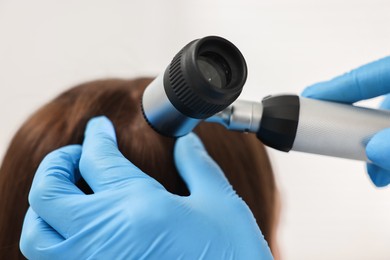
204 77
290 122
336 129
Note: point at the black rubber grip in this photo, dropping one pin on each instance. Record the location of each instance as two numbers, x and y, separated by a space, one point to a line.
188 90
279 122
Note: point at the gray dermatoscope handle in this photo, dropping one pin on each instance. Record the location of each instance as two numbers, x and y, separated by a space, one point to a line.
322 127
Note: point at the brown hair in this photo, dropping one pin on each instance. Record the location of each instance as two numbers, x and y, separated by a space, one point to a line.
62 121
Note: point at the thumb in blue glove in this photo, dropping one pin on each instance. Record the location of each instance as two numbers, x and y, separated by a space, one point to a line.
378 152
130 215
368 81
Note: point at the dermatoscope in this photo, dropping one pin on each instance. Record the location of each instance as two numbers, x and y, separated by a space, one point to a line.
206 77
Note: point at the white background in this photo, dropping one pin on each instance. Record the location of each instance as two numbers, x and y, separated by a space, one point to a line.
330 208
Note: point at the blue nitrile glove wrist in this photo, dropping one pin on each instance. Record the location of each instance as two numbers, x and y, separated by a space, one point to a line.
365 82
131 215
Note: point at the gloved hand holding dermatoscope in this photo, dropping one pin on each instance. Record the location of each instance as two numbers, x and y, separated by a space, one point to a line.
207 75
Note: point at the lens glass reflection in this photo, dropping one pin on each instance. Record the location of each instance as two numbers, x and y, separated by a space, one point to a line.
214 69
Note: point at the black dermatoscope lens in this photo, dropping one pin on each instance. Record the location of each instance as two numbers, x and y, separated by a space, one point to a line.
205 77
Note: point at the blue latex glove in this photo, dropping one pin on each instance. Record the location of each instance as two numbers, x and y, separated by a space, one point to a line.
131 215
366 82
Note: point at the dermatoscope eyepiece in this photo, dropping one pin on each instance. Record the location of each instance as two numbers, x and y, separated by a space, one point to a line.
204 78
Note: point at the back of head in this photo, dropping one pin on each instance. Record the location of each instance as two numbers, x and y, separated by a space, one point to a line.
62 121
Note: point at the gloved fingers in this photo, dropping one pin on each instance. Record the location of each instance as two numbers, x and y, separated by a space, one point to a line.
102 165
379 176
37 237
200 172
368 81
54 196
385 104
378 149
